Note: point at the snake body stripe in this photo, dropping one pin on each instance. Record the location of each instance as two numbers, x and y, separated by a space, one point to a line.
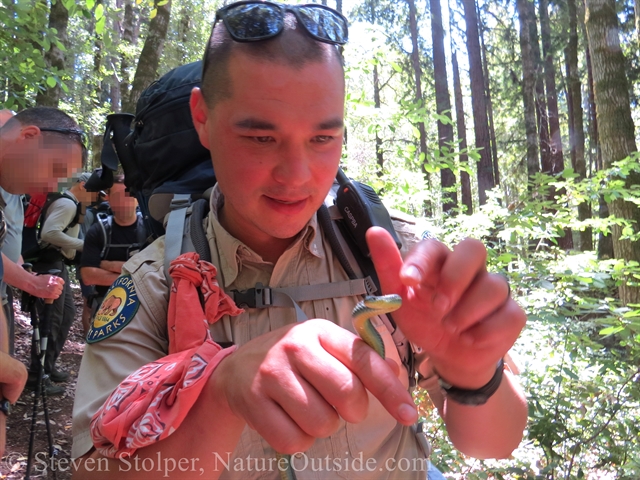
362 313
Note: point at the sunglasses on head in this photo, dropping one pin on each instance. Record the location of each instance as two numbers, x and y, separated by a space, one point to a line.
252 21
82 136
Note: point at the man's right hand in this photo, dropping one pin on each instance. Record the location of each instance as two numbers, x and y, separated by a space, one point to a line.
292 385
45 286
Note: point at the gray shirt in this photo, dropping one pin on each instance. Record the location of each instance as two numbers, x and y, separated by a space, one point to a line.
61 213
14 218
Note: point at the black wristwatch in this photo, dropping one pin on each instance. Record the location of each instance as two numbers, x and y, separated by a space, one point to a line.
5 406
478 396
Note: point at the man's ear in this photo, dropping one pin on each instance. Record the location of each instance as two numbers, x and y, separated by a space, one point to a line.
29 132
199 115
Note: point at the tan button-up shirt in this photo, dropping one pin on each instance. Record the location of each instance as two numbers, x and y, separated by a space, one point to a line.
389 448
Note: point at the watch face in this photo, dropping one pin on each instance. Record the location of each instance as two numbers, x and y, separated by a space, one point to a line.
5 407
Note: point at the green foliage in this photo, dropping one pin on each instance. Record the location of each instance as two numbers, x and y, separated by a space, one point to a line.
23 38
580 351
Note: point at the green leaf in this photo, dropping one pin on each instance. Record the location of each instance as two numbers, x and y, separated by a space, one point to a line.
99 11
154 12
610 330
90 4
100 25
51 82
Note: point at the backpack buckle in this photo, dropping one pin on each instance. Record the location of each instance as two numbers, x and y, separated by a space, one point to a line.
370 285
180 201
258 297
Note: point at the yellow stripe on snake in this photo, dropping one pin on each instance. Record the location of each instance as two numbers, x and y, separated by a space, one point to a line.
362 313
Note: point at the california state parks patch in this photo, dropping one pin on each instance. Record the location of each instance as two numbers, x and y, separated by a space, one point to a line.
118 308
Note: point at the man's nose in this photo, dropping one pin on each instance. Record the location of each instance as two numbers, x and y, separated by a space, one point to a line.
293 166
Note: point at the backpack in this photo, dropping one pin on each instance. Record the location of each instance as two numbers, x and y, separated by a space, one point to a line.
158 148
106 221
35 213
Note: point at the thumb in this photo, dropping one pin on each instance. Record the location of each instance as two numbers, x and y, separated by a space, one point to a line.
387 259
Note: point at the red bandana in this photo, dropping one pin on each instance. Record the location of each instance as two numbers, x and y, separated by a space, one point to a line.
151 403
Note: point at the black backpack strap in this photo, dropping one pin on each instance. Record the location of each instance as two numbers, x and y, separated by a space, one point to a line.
141 231
105 225
346 250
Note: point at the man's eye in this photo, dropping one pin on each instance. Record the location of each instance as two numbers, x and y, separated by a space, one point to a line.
322 138
263 139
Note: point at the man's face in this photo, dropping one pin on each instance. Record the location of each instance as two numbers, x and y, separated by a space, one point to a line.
275 145
36 163
122 203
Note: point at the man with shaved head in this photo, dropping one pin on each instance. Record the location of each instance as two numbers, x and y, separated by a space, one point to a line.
38 147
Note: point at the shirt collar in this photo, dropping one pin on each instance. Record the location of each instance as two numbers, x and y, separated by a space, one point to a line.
231 250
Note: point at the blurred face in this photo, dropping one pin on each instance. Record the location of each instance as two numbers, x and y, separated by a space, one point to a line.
4 116
33 162
122 203
275 145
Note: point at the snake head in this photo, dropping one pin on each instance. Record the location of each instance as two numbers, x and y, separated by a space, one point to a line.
384 303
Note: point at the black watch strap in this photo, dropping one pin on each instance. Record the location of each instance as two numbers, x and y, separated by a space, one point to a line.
5 406
478 396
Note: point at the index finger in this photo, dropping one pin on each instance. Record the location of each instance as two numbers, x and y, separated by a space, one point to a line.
422 264
376 376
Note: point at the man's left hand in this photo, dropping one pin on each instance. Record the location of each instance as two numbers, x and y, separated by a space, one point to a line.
462 316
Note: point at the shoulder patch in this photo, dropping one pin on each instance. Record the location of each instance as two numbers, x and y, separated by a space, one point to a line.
118 308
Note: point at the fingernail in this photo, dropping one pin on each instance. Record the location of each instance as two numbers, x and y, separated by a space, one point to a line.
412 272
407 413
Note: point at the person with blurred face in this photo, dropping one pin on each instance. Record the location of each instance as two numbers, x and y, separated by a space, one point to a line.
38 147
41 286
102 269
60 246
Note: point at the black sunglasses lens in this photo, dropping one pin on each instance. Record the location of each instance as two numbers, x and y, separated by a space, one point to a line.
253 21
324 24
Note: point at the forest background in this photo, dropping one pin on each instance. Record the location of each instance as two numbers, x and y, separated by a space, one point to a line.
511 121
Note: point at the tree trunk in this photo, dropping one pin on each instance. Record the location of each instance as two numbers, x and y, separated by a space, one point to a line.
636 8
465 181
555 146
486 180
541 102
147 69
417 69
492 128
557 160
617 136
128 38
605 242
528 89
443 107
55 58
376 98
576 124
377 104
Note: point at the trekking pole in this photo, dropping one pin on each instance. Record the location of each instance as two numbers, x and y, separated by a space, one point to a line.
40 340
